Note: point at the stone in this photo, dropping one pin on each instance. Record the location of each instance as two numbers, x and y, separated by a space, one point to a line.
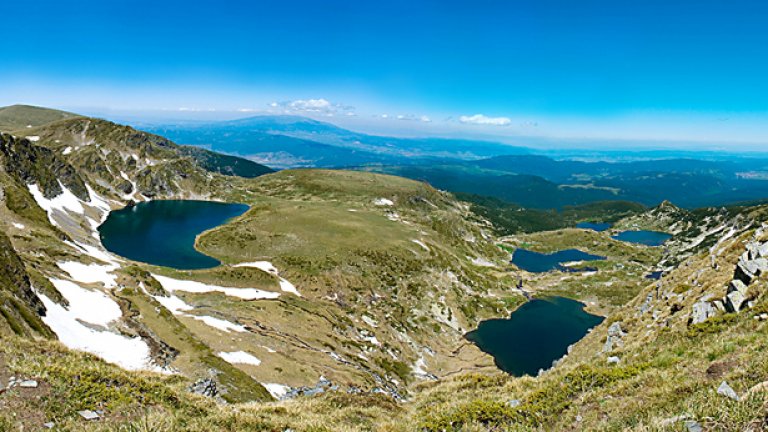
743 272
737 285
49 425
762 250
753 250
719 305
613 360
89 415
734 300
693 426
615 330
206 387
702 311
727 391
28 384
514 403
646 306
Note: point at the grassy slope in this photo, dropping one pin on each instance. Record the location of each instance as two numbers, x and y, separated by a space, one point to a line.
19 117
667 369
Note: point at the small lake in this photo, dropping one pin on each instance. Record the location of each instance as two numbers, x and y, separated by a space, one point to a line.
535 335
648 238
163 233
594 226
535 262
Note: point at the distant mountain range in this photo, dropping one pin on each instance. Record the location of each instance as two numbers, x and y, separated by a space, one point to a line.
292 141
516 175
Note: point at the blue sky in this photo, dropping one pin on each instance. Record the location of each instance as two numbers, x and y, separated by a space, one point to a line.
674 69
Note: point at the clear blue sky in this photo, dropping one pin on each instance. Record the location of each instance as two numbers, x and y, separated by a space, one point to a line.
554 62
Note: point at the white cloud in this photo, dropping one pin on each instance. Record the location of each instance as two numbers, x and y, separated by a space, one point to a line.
480 119
313 106
411 117
310 105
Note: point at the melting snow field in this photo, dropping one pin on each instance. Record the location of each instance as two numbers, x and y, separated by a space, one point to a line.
65 201
199 287
240 357
177 306
95 308
90 273
267 266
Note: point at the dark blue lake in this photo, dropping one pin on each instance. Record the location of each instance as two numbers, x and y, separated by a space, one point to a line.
594 226
648 238
535 262
654 275
536 334
163 233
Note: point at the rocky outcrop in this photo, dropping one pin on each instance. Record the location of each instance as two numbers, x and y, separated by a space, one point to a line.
752 264
19 305
39 165
614 338
205 387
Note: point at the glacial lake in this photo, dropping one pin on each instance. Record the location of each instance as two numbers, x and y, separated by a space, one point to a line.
535 335
163 233
648 238
594 226
535 262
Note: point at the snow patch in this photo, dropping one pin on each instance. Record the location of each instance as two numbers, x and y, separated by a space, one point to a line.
276 390
218 323
33 138
63 202
421 243
267 267
93 307
129 353
240 357
90 273
383 202
268 349
67 151
19 226
199 287
482 262
177 306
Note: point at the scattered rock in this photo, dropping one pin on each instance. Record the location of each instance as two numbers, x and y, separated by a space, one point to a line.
615 334
613 360
206 387
89 415
49 425
734 301
702 311
727 391
693 426
28 384
513 403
